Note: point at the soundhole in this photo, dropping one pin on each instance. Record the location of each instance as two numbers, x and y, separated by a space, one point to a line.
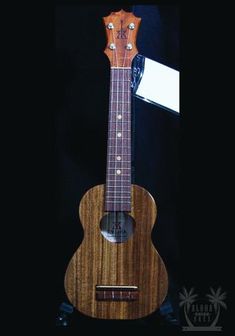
117 226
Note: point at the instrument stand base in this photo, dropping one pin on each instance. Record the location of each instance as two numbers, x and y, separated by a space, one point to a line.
65 311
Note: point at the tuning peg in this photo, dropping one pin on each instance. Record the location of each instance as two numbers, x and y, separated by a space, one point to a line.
110 25
131 26
129 46
112 46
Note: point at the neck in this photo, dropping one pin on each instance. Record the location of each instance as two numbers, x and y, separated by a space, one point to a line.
118 173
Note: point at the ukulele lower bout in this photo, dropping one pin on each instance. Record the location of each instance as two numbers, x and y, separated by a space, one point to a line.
116 273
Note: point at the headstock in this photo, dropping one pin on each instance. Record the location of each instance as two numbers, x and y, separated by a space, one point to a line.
121 30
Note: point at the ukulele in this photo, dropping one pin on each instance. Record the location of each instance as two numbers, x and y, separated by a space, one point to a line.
116 273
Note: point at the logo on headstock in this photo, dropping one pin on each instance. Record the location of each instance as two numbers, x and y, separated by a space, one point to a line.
121 33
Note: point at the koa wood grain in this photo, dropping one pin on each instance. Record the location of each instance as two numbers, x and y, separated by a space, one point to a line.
100 262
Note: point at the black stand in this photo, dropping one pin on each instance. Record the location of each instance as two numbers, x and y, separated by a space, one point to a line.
64 315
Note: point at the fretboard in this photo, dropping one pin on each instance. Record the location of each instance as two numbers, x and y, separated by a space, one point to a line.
118 173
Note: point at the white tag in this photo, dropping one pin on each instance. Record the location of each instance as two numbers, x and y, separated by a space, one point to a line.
159 85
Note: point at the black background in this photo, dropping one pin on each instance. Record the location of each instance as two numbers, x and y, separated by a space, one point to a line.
40 132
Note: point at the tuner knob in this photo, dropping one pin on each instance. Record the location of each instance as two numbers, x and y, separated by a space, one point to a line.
131 26
112 46
110 26
129 46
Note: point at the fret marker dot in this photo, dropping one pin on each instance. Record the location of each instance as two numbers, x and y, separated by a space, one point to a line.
119 135
118 158
118 171
119 116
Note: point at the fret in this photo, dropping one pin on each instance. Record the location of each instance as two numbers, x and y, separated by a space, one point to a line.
119 138
125 116
115 142
126 80
120 130
121 68
121 107
120 112
123 168
127 141
118 192
120 91
114 122
118 181
120 133
124 75
118 80
121 191
117 111
119 167
114 198
115 150
120 97
116 127
119 102
112 162
125 122
115 191
112 151
120 87
115 178
110 197
119 127
121 149
120 154
123 83
122 146
119 145
119 197
121 161
119 176
113 166
126 192
125 172
119 184
115 202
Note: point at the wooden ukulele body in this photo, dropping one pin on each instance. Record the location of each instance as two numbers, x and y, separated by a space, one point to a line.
99 262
